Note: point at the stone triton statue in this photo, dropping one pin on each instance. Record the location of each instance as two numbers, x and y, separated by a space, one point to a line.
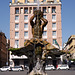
39 24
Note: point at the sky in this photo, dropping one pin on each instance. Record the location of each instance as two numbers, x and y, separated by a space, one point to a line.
67 12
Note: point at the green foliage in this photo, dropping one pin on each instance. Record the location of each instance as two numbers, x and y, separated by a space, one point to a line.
13 49
72 59
16 51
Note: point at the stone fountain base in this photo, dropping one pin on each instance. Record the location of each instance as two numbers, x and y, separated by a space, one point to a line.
37 73
39 68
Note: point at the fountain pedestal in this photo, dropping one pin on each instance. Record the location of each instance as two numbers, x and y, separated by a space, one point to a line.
38 69
33 73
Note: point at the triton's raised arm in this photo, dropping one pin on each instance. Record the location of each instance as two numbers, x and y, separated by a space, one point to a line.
44 23
31 21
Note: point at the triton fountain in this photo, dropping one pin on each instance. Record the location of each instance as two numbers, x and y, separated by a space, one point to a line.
36 49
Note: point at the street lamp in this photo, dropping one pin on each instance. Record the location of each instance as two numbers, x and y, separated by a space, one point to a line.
7 52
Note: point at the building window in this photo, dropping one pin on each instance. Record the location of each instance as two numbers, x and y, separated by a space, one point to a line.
16 10
26 34
17 18
44 33
16 1
26 1
53 17
53 25
35 1
54 41
16 43
26 17
54 33
34 8
53 10
26 25
17 34
44 10
51 1
16 25
44 0
26 11
44 16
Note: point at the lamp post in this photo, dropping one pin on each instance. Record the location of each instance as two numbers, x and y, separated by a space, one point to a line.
0 58
7 52
7 55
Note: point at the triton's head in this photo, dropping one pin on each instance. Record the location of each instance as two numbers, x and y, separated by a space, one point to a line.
38 14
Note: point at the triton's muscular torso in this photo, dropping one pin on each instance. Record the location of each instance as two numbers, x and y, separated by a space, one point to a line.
38 26
37 30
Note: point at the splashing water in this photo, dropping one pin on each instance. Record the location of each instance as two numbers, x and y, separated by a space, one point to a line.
38 4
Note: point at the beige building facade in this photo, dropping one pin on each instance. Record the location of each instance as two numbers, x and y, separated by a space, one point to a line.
70 46
20 28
